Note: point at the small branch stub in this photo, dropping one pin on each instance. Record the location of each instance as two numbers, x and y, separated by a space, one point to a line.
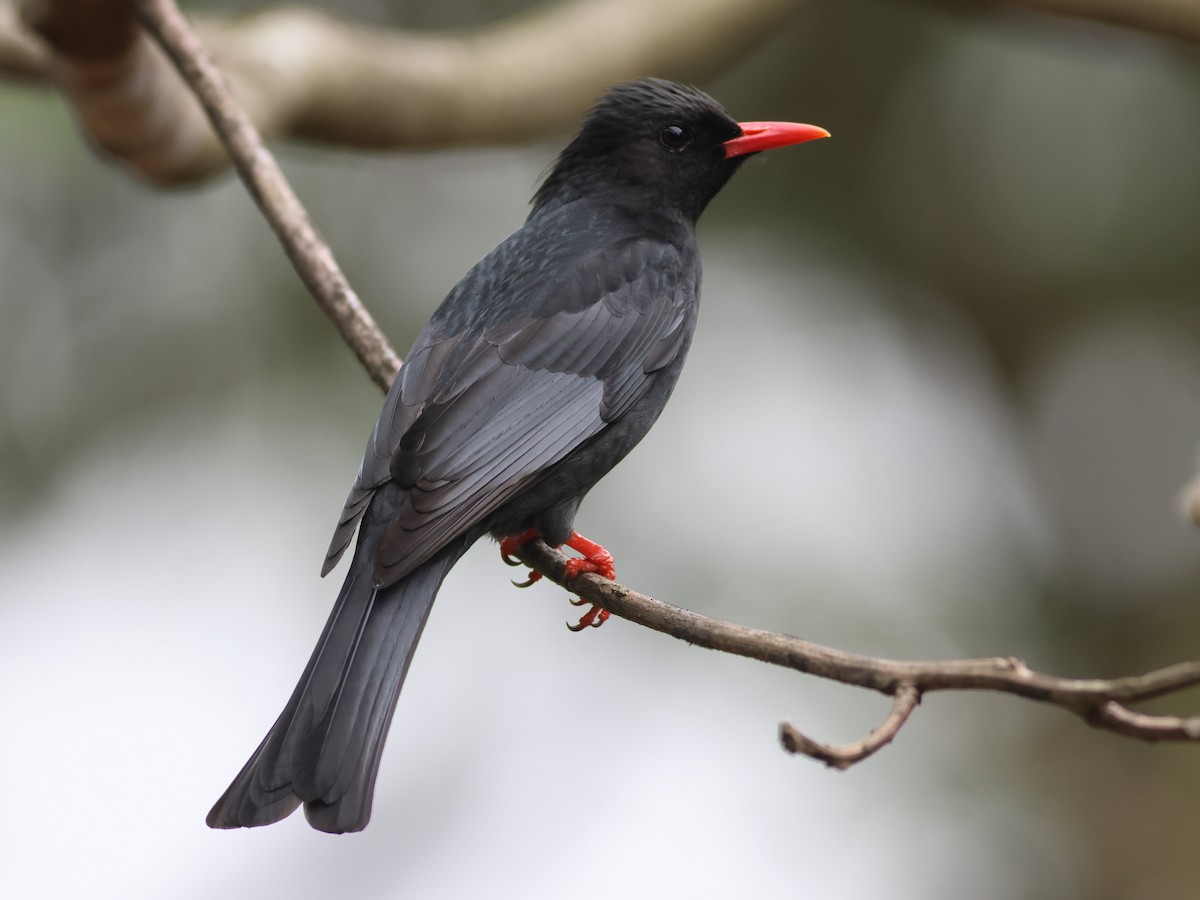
843 756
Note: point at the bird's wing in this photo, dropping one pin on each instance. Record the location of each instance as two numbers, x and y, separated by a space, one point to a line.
477 414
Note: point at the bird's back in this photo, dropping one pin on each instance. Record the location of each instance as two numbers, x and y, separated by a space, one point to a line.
549 340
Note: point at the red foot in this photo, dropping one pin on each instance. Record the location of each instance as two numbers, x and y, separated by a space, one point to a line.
593 618
595 559
510 544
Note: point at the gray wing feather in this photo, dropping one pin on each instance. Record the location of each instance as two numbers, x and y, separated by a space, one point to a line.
475 416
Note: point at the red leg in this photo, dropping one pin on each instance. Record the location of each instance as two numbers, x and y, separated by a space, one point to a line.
595 559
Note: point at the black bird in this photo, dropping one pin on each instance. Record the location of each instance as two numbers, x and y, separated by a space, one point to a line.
543 367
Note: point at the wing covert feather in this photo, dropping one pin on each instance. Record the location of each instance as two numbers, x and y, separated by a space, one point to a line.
475 416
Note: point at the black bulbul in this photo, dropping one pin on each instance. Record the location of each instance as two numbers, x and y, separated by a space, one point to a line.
544 366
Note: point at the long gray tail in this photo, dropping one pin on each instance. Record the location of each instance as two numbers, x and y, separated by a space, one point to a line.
324 749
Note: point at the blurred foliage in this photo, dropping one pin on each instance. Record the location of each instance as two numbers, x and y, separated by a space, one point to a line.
1032 181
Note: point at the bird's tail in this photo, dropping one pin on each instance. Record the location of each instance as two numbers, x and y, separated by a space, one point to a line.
324 749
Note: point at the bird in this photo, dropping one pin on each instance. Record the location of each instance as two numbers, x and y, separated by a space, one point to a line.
538 373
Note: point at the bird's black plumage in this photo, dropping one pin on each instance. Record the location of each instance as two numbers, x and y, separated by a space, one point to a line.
542 368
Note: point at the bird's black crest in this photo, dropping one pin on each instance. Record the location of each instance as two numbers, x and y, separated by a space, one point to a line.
648 100
618 143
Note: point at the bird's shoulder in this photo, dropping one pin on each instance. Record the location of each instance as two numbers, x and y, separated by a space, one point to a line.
588 289
567 259
546 341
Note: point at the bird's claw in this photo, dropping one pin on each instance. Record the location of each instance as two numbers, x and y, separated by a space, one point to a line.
509 545
534 577
593 618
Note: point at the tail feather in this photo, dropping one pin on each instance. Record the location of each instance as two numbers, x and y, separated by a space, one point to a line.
324 749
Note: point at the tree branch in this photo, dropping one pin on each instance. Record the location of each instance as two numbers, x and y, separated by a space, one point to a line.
1189 500
1102 703
306 249
1168 18
22 55
303 74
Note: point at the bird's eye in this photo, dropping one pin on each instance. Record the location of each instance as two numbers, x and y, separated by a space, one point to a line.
675 137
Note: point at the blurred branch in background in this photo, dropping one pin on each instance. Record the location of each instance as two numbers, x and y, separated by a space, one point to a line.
22 54
1103 703
303 74
1189 500
1170 18
310 255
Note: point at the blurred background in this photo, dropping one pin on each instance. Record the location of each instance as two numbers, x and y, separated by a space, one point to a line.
944 394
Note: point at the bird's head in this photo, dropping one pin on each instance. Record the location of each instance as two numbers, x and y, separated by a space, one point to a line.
660 145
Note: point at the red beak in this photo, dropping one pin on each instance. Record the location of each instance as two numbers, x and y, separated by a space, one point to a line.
757 136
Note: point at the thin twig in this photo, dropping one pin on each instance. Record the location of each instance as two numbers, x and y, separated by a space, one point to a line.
306 249
1102 703
844 756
